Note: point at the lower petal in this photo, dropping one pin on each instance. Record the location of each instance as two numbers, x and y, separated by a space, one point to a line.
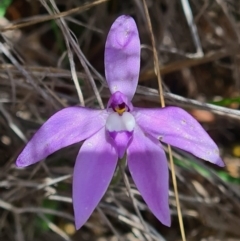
148 166
93 171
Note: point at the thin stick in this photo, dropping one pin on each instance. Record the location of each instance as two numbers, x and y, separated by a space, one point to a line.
107 221
193 28
127 184
70 54
157 72
45 18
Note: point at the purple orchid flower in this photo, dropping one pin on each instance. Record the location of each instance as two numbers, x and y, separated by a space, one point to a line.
120 128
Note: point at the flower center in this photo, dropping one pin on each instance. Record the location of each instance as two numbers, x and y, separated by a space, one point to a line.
120 109
120 126
121 119
120 123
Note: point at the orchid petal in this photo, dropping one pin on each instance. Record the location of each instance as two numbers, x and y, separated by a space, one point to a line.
93 171
148 166
176 127
122 56
66 127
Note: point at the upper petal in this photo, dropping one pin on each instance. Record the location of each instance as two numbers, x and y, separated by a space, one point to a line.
176 127
122 56
93 171
148 166
64 128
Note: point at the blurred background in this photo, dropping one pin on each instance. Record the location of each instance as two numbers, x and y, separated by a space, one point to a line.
51 57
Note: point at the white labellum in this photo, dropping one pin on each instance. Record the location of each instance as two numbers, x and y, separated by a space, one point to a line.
124 122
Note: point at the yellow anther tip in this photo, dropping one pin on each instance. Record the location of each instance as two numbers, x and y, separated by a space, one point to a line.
120 111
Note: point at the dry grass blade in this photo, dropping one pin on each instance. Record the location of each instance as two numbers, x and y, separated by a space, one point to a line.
56 16
172 99
190 20
68 37
70 56
54 228
127 184
188 63
157 72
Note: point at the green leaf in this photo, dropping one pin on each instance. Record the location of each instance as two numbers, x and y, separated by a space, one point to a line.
41 225
4 4
224 175
226 101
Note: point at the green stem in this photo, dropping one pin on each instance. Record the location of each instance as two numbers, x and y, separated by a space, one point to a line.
117 175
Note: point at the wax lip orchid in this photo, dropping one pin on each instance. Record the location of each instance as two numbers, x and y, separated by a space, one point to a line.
120 129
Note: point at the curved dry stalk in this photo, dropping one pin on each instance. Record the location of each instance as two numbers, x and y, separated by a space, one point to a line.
54 16
157 72
127 184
